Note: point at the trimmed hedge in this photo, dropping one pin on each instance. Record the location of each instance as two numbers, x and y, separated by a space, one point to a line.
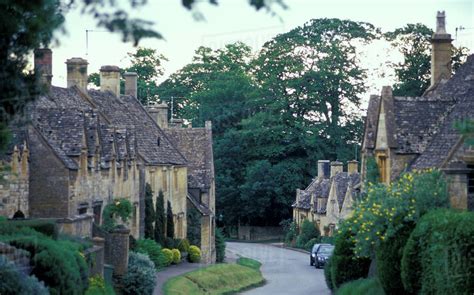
194 254
58 264
153 250
345 266
168 254
140 278
176 256
439 255
389 255
369 286
46 227
327 274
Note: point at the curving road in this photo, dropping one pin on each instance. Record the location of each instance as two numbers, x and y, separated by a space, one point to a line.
287 272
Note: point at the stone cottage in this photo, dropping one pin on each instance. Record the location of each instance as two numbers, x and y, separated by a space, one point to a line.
416 133
88 147
329 197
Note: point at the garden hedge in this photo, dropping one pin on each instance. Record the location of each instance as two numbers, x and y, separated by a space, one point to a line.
194 254
140 278
153 250
439 255
389 254
345 266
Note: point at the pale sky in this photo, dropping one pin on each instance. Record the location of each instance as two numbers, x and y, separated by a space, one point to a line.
235 20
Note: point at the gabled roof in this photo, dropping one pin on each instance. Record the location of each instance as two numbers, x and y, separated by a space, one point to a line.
371 122
152 143
460 88
196 146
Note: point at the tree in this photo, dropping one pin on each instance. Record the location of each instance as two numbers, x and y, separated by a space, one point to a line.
160 219
414 72
193 226
149 213
169 222
25 25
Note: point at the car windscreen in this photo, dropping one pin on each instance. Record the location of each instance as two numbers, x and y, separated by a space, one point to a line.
325 250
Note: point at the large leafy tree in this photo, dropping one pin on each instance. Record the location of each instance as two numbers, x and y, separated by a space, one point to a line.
413 73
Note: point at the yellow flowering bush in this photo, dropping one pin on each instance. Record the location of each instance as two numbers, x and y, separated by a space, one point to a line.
386 209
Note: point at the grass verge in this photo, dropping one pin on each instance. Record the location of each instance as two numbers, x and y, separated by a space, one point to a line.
369 286
217 279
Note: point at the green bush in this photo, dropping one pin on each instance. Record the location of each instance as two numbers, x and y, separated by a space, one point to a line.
13 282
291 234
345 265
169 221
168 254
438 257
370 286
98 286
46 227
220 246
58 264
183 245
153 250
327 274
309 245
194 226
308 232
194 254
327 240
119 208
389 255
140 278
176 256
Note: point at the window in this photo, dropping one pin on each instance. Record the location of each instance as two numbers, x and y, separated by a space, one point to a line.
175 179
97 209
382 163
82 211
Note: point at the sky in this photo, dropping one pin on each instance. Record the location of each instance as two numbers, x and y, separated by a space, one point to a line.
235 20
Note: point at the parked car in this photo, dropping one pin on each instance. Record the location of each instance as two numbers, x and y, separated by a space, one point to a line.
323 253
312 255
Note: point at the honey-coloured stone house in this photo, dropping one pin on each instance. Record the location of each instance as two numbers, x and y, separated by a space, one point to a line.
329 197
85 148
418 133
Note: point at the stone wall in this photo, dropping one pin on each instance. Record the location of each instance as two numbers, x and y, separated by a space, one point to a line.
49 180
260 233
79 226
173 181
14 185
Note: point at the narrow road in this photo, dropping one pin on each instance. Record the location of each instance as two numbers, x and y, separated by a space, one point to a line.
287 272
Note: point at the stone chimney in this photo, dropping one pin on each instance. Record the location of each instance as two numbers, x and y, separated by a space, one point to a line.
440 51
323 169
77 73
176 123
336 167
44 65
110 79
352 167
159 113
130 84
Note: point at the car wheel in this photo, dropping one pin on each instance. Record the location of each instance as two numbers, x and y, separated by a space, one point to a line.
311 262
316 264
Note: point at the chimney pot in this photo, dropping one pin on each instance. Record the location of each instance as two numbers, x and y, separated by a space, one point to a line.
336 167
131 83
323 169
77 73
110 79
44 65
176 123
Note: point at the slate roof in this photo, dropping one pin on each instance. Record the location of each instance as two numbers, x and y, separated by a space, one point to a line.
460 88
124 124
152 143
196 146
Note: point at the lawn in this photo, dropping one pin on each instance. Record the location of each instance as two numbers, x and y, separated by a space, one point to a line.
217 279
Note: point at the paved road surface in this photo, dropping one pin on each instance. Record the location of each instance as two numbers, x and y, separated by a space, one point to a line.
287 272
